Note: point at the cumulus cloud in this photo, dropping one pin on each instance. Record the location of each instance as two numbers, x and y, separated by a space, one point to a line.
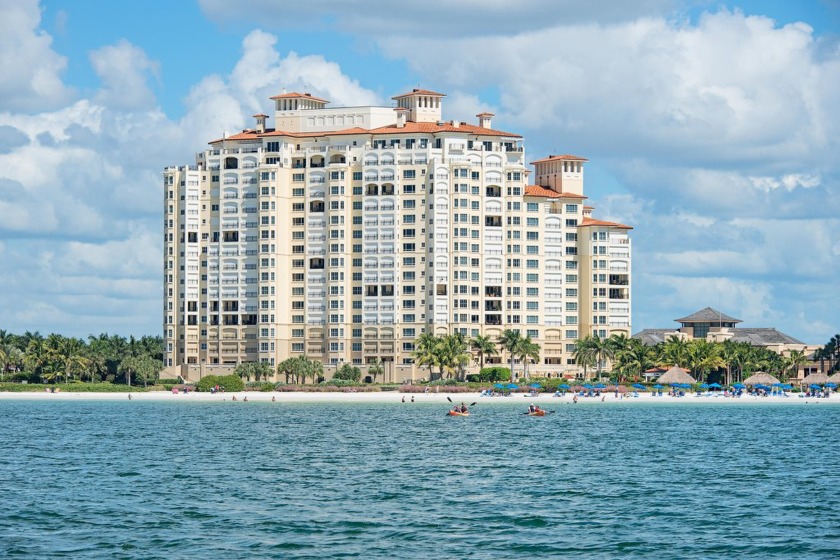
80 186
123 69
31 70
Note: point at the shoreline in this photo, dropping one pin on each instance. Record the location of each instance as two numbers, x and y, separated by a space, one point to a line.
385 397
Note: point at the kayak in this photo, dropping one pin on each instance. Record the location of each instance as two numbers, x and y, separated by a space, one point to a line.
453 413
537 413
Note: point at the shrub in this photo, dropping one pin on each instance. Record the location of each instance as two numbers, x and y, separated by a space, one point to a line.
229 382
348 372
494 374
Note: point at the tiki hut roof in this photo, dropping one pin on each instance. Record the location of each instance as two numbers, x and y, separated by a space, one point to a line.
818 378
760 378
834 378
676 375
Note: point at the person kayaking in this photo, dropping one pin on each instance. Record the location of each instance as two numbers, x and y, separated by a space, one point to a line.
456 409
532 408
464 408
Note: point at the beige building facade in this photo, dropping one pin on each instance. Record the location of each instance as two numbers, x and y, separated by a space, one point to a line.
343 234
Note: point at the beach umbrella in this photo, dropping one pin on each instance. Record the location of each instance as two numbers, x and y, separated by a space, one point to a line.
536 385
657 386
513 386
600 386
739 386
638 386
499 386
815 378
704 385
832 385
714 386
587 386
814 386
563 386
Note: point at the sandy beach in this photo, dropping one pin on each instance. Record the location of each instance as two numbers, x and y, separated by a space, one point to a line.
543 400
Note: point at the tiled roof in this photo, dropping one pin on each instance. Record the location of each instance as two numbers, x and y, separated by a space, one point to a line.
431 127
652 337
563 157
485 114
259 115
762 336
545 192
708 315
586 222
296 95
419 92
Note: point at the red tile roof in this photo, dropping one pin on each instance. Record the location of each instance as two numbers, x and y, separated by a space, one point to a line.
593 222
563 157
485 115
409 128
296 95
259 115
419 92
536 190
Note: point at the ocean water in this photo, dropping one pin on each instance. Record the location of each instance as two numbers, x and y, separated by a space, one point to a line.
142 479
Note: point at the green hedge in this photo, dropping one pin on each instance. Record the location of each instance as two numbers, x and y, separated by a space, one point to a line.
231 383
70 388
490 375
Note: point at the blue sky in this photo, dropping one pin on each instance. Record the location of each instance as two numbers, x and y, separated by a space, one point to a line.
711 127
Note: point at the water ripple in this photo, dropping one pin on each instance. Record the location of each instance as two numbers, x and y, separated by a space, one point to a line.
229 480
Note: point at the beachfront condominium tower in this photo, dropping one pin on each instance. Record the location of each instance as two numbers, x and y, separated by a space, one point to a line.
345 233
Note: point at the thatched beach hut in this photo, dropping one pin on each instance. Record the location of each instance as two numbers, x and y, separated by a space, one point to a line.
835 378
676 375
760 378
818 378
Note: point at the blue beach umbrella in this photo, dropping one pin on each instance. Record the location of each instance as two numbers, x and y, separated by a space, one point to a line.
714 386
638 386
657 386
704 385
499 386
815 386
563 386
600 386
587 386
536 385
739 386
513 386
832 385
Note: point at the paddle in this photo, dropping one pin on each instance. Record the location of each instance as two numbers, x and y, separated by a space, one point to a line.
450 400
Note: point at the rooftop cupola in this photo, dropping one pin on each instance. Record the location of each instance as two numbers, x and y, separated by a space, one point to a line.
295 101
484 119
402 113
423 105
260 122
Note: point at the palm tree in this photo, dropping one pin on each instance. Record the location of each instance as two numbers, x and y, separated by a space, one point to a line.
71 355
36 357
511 341
425 351
792 362
529 351
674 352
634 360
375 368
703 356
454 354
584 354
483 346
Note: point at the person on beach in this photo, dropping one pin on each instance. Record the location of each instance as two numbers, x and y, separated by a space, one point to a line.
403 399
129 396
245 399
574 399
272 399
412 398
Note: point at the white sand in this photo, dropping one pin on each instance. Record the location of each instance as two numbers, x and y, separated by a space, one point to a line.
396 397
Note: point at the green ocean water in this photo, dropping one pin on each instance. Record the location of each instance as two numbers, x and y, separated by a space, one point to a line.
144 479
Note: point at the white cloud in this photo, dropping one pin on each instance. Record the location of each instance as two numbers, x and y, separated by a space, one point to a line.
787 182
123 69
31 70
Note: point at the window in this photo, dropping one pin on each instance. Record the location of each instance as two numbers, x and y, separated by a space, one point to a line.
533 222
409 174
409 189
297 177
357 176
571 208
408 204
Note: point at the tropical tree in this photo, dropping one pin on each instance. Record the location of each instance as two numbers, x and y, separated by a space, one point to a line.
484 347
375 368
426 352
702 357
348 372
584 354
634 360
674 352
511 341
453 354
792 362
529 351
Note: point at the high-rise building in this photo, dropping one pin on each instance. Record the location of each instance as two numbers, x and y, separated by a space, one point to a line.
345 233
